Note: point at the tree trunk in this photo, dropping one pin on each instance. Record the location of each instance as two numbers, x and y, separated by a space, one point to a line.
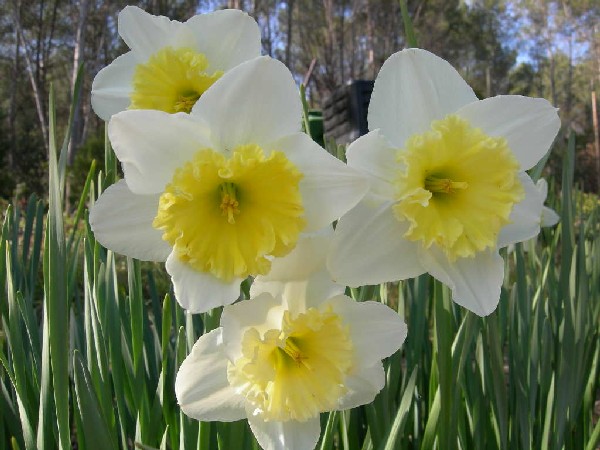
370 42
353 40
235 4
12 118
330 69
596 139
77 131
31 72
290 22
553 93
341 49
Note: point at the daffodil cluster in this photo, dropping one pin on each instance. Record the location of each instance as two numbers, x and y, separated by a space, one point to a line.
221 184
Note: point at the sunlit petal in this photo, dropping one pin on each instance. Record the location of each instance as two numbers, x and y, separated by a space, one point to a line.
376 330
369 247
529 125
260 97
152 144
111 88
145 34
363 386
202 389
300 274
475 282
197 291
525 218
263 313
285 435
413 88
226 37
373 155
329 187
122 221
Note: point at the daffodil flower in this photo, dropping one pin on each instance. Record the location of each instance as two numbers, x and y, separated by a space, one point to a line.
448 182
220 192
171 64
297 348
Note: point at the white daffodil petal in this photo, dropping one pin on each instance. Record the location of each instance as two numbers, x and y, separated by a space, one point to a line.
202 389
122 222
300 277
306 258
263 312
145 34
112 85
290 435
363 386
152 144
475 282
529 125
318 287
542 187
274 288
368 247
329 187
549 217
526 216
198 291
376 330
300 295
227 38
413 88
256 102
372 155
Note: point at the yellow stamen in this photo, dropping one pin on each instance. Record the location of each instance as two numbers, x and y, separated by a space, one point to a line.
293 351
185 102
229 203
443 185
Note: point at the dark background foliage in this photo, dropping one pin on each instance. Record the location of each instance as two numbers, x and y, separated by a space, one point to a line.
545 48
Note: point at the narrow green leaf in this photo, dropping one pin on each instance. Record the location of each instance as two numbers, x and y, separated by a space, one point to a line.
55 287
231 434
204 435
594 438
45 438
402 413
31 328
164 440
95 427
10 414
83 199
329 433
548 418
494 364
110 162
411 40
432 423
36 249
144 447
444 336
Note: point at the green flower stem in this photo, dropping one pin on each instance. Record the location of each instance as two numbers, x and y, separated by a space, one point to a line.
411 40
